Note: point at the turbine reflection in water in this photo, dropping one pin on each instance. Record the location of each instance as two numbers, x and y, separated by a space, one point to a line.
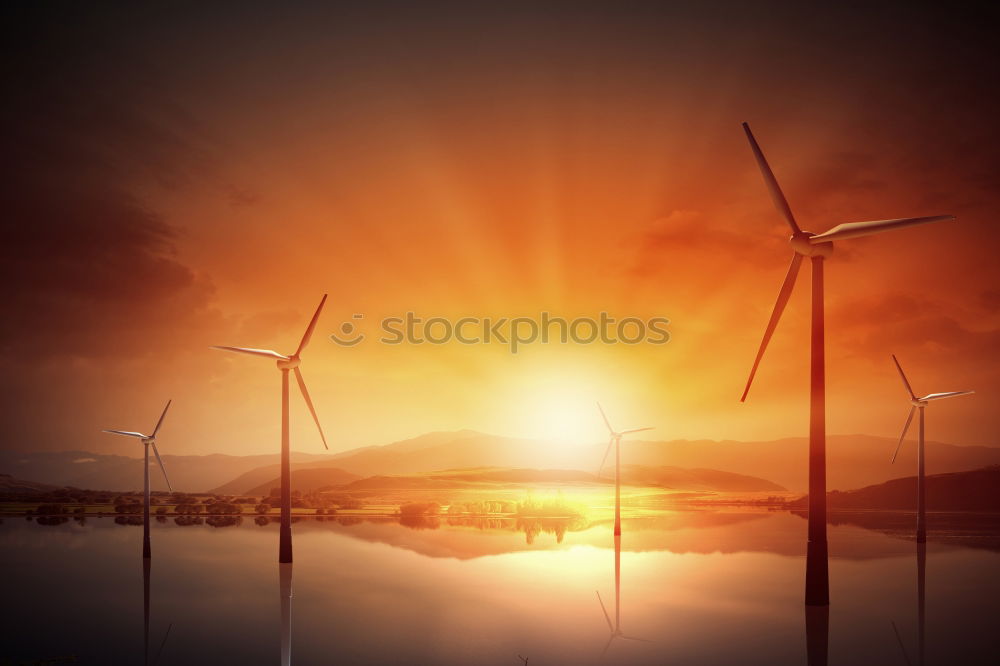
817 617
921 607
616 627
146 575
285 591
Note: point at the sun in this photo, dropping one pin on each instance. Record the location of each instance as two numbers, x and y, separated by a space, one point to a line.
562 411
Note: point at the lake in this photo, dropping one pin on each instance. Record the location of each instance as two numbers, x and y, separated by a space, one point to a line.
701 586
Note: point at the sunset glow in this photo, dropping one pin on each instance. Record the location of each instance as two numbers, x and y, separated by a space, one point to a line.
536 333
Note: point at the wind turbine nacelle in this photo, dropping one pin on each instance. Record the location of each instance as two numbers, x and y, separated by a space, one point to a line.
288 364
801 245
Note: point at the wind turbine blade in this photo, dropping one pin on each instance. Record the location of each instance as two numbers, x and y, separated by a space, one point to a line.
772 183
156 659
779 306
606 616
127 433
267 353
902 376
311 327
906 427
857 229
605 458
608 644
605 417
309 404
941 396
160 422
902 647
635 638
162 468
625 432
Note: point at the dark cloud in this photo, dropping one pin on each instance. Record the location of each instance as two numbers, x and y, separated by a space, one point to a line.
88 269
877 325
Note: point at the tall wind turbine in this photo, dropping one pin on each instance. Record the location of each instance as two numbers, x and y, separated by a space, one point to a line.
919 404
147 441
615 438
286 363
817 247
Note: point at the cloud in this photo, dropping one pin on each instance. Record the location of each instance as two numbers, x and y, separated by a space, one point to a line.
897 322
88 269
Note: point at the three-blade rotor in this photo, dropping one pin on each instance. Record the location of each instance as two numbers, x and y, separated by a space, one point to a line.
917 402
805 243
150 440
616 632
613 436
286 363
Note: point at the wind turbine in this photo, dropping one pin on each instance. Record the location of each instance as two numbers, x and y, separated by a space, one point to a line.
817 247
616 627
615 438
286 363
147 441
919 404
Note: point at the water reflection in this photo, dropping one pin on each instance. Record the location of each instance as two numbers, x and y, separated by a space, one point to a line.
146 575
616 628
285 592
711 589
817 614
921 607
817 635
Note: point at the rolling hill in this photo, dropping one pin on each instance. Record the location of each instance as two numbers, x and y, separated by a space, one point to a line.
976 490
664 477
852 460
9 484
304 480
95 471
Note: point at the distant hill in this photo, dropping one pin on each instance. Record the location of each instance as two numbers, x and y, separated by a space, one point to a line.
10 484
249 482
976 490
664 477
305 480
95 471
852 460
695 479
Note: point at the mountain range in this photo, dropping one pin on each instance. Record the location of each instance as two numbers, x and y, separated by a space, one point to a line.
974 490
853 461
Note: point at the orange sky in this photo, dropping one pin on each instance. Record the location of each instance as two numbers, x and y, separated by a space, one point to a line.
217 178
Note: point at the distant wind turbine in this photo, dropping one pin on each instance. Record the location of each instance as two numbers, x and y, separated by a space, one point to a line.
919 404
147 441
615 439
286 363
817 247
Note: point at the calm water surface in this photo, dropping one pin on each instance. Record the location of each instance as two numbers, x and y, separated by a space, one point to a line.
702 587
